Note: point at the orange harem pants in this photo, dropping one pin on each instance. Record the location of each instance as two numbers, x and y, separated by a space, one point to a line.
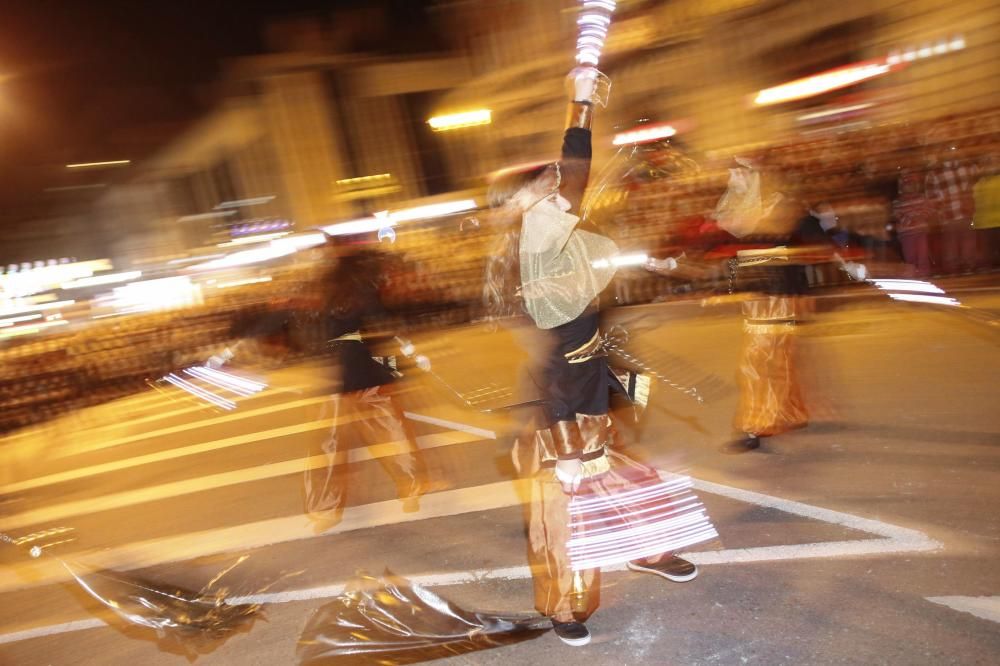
770 394
360 419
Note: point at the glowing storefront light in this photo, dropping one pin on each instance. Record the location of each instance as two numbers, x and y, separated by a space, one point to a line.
821 83
460 120
160 294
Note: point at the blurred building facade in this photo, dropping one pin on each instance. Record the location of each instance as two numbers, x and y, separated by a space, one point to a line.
698 64
307 136
320 130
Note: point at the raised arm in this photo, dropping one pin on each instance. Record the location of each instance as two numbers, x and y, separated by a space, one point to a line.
586 87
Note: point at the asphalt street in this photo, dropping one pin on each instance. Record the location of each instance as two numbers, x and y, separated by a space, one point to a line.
869 537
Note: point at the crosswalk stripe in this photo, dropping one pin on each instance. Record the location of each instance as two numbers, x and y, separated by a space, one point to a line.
51 514
265 533
987 608
171 454
97 444
490 496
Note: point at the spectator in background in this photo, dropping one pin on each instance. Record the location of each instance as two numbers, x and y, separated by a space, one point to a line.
950 186
914 215
986 218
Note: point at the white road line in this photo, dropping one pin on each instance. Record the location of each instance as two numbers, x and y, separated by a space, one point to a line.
170 454
454 425
195 449
39 632
90 505
987 608
97 444
241 538
895 539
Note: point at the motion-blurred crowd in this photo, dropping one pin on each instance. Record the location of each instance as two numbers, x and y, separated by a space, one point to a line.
919 199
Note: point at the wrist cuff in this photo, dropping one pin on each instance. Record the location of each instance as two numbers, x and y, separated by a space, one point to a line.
580 114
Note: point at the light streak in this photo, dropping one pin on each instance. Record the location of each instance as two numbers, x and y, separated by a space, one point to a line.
432 210
188 260
908 285
360 180
89 165
208 379
240 283
16 320
250 240
300 242
38 307
361 226
253 201
823 82
835 111
97 280
238 385
15 331
645 521
460 120
199 392
207 216
593 22
922 298
637 259
644 134
245 258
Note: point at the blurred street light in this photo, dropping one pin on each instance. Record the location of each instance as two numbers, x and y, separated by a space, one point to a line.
460 120
98 165
823 82
644 134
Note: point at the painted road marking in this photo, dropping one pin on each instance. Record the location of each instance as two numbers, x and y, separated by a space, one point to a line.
987 608
170 454
453 425
90 505
498 495
893 539
98 444
204 447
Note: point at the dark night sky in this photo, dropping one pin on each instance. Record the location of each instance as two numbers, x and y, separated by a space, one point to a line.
89 81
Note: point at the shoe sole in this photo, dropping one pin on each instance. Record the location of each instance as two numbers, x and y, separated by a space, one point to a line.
675 579
575 642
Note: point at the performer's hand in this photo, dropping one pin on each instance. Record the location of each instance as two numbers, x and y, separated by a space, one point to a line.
661 266
216 361
588 84
856 271
569 473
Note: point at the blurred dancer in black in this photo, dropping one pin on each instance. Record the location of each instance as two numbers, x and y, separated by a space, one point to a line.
347 304
363 410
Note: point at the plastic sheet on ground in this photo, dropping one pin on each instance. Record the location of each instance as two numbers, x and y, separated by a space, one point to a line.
388 620
186 622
